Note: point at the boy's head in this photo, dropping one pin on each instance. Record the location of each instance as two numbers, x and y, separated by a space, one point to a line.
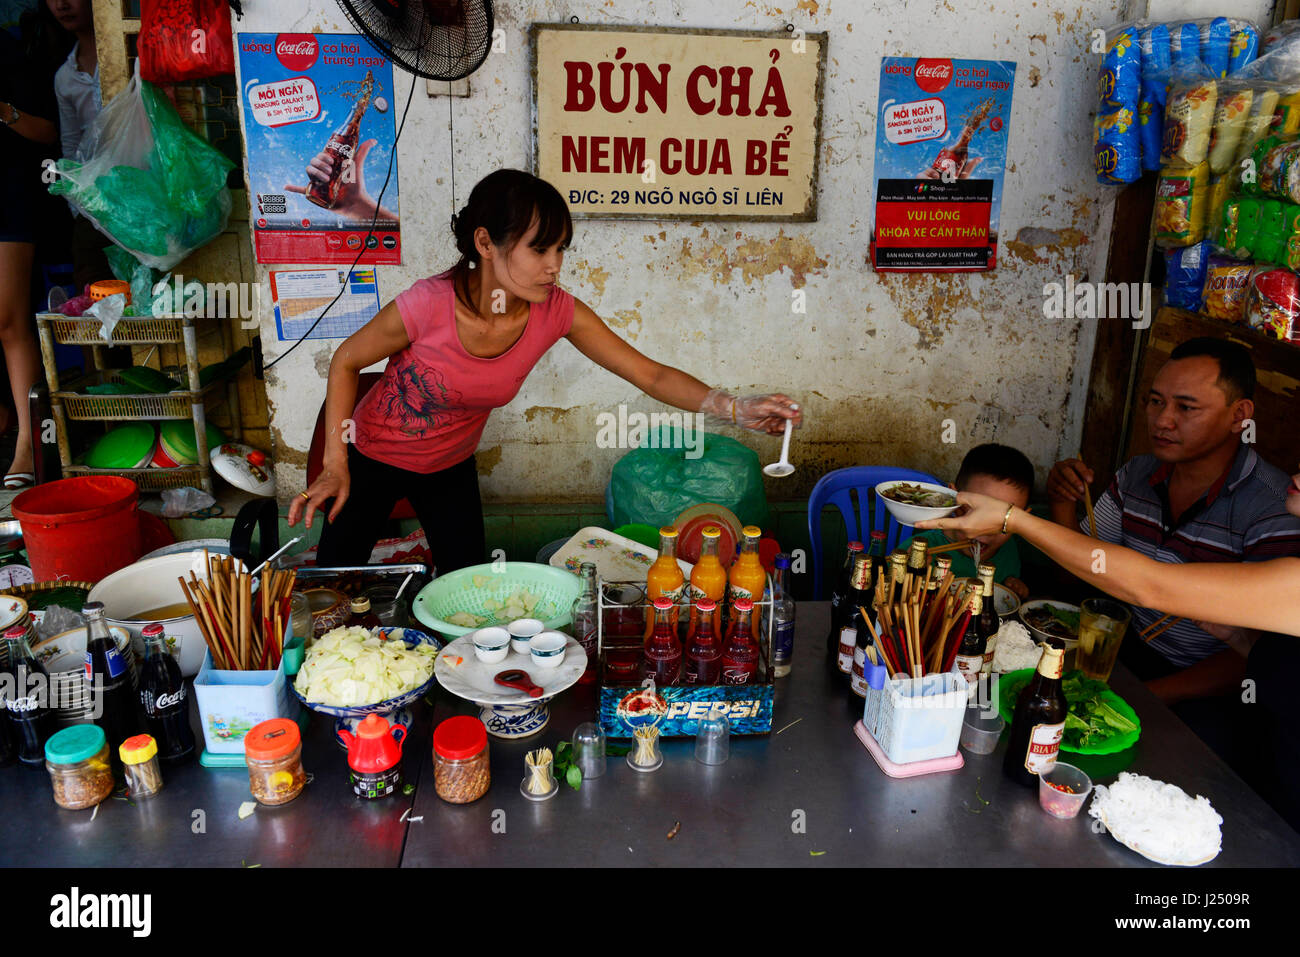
1002 472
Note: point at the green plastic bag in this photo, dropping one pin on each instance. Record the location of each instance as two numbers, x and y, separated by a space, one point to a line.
148 182
655 483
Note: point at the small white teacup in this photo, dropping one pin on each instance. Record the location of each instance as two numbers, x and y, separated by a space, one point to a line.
547 649
521 631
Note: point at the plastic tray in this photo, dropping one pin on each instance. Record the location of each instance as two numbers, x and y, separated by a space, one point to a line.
616 558
1010 685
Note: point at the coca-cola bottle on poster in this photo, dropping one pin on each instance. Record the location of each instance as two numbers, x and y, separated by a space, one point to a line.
163 697
28 703
341 148
952 159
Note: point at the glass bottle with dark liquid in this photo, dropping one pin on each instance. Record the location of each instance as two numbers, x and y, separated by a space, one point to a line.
859 596
29 703
341 149
1039 722
838 613
663 652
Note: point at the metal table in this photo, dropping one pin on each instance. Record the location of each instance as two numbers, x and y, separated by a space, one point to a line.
808 795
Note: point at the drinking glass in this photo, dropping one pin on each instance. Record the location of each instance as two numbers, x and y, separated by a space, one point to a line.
1102 624
589 749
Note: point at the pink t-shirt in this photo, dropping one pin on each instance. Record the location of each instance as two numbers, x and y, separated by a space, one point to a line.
428 411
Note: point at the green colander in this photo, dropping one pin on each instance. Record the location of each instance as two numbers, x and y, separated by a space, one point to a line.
469 589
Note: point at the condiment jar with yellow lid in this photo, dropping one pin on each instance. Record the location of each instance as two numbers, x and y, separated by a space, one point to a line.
273 753
139 756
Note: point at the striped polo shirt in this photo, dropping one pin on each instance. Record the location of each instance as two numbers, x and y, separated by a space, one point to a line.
1242 517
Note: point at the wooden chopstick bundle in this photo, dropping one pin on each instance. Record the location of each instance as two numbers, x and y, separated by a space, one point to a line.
243 633
1159 627
951 547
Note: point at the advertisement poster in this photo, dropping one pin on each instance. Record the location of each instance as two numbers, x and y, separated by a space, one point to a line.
299 297
661 123
941 153
325 101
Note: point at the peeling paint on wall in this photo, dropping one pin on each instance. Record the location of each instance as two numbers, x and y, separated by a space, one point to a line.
754 258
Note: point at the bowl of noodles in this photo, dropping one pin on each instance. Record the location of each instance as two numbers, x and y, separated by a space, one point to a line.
911 502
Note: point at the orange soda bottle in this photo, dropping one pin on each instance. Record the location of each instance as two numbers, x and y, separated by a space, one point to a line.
708 577
747 578
664 578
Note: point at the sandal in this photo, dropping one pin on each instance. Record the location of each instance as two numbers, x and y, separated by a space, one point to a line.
19 480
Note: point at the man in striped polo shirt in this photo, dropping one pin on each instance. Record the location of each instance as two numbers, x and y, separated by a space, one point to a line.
1203 495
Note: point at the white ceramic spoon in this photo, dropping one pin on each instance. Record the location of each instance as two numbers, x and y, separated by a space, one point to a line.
782 468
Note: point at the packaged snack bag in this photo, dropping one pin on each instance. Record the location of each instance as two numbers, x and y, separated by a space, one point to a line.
1181 198
1273 302
1117 151
1245 47
1157 58
1231 113
1226 285
1216 45
1189 120
1185 275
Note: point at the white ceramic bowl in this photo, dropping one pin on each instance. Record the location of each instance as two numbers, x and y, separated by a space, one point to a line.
547 649
151 584
523 630
1042 636
911 514
491 645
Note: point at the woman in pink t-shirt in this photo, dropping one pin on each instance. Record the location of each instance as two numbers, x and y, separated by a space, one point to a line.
458 345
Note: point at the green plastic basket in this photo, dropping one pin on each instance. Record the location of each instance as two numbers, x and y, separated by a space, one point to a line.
458 591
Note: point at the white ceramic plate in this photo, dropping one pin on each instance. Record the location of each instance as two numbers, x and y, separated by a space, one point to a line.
472 679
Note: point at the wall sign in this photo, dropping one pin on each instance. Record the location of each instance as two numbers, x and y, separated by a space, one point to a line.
665 123
304 96
941 151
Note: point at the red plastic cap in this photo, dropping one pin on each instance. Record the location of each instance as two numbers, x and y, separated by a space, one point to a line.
148 631
257 457
373 726
879 532
272 739
744 604
855 546
662 602
17 631
458 738
706 604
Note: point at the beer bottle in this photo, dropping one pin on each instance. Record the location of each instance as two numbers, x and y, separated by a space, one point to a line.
840 589
990 623
859 596
1039 722
970 656
340 148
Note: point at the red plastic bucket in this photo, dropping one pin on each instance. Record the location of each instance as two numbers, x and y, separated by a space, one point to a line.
80 528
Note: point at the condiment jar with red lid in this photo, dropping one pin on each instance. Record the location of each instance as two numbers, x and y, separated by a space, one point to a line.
461 773
374 756
273 753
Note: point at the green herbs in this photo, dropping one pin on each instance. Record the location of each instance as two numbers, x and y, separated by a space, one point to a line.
565 767
1090 719
1070 619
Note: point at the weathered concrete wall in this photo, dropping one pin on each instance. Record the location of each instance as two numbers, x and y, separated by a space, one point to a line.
879 361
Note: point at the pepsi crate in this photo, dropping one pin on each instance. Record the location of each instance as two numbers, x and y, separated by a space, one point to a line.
623 702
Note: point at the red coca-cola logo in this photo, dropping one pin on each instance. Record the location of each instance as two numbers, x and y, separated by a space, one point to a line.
296 51
933 75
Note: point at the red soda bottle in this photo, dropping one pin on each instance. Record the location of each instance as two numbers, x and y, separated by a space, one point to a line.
740 657
663 652
703 650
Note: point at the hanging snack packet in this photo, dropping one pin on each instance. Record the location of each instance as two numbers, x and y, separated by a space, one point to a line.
1273 302
1216 45
1181 198
1226 285
1117 151
1245 47
1230 116
1189 120
1216 199
1286 118
1185 275
1156 59
1258 123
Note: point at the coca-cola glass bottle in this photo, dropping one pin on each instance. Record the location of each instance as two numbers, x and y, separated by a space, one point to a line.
584 616
341 149
740 656
703 650
28 705
164 698
108 681
663 652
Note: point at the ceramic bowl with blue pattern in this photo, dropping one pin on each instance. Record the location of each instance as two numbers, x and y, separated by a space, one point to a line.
412 637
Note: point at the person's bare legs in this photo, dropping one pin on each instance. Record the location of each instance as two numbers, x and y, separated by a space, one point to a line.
22 355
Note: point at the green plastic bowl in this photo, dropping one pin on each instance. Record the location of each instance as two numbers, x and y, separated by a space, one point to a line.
177 440
458 591
125 447
646 535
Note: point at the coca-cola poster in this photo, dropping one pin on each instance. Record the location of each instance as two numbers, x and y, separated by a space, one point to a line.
941 154
318 123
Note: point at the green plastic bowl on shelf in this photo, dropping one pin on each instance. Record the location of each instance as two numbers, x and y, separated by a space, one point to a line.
125 447
1011 684
177 440
646 535
143 379
468 589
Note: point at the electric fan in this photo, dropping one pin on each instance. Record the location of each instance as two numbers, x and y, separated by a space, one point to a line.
436 39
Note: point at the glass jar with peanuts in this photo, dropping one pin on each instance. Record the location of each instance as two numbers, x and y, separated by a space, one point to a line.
460 760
